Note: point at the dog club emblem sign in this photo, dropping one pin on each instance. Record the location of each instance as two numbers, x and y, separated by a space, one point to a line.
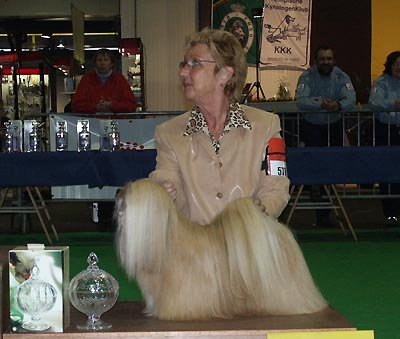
239 25
236 17
286 33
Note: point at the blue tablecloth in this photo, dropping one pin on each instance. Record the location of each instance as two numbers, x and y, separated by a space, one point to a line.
308 165
344 165
96 169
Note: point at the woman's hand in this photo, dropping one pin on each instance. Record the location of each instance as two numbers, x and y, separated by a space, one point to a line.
171 189
260 205
104 106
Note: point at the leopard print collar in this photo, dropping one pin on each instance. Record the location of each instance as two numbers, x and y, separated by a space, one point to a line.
196 123
237 118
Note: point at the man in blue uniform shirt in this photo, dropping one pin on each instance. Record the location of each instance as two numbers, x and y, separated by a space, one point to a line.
326 91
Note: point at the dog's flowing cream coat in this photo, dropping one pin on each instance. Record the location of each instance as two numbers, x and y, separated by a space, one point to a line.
242 263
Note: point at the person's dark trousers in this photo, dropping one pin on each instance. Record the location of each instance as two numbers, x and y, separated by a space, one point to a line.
388 135
106 211
318 135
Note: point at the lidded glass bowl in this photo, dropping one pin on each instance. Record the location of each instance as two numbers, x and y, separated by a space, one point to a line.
93 292
35 297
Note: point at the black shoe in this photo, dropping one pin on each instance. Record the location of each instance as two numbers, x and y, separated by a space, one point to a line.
392 221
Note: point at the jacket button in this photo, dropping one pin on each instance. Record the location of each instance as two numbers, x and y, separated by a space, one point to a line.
219 195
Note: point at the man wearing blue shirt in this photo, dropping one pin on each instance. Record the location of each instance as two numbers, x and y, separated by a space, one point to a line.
325 91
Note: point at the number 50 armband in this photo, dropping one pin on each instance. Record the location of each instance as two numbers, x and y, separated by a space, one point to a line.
275 158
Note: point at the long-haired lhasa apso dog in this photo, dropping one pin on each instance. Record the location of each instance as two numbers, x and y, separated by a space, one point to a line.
242 263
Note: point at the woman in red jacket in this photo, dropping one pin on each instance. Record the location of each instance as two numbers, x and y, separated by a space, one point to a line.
103 89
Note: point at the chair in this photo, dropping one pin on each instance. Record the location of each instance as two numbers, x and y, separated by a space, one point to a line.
334 202
38 206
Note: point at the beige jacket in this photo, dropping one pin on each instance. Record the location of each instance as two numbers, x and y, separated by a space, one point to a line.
207 182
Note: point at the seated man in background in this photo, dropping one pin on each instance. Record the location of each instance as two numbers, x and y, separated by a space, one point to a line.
326 91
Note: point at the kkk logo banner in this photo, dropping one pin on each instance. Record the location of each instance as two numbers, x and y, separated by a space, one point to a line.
286 33
236 17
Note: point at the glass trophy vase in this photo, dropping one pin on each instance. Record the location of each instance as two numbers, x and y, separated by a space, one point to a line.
93 292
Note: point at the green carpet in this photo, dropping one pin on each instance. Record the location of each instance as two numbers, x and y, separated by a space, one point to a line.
359 279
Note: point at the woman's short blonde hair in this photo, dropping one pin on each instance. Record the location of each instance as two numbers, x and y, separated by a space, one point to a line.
226 51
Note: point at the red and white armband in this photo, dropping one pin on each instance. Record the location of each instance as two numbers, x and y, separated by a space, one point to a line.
275 158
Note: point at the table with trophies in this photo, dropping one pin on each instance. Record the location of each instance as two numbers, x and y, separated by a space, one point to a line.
83 151
48 303
100 155
85 306
86 151
128 322
79 151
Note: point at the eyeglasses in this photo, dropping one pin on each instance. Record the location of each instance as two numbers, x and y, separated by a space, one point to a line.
194 63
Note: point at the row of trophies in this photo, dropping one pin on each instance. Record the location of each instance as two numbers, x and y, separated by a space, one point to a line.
26 136
20 136
109 139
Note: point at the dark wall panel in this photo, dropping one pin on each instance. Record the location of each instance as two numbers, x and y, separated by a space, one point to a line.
204 12
346 26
